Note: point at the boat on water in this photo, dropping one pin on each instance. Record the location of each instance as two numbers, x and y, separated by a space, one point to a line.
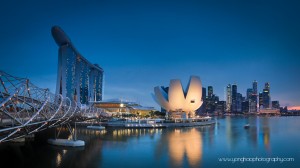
95 127
162 123
246 126
146 123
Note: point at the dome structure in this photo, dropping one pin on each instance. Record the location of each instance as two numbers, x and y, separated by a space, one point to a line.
176 99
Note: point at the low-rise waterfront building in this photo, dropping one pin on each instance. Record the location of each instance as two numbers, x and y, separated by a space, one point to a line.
119 108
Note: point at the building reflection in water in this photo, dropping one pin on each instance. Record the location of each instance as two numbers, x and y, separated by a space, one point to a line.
86 155
230 133
259 131
253 130
94 144
58 159
266 133
181 144
125 133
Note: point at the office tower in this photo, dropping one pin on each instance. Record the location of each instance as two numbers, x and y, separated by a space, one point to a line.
202 109
239 100
266 98
245 106
267 86
249 93
254 87
220 107
211 100
228 98
253 102
203 94
234 98
260 100
210 91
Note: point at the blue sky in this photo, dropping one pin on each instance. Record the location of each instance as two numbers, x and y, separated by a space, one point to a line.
142 44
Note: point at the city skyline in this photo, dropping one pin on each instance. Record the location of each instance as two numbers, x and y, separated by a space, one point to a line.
145 44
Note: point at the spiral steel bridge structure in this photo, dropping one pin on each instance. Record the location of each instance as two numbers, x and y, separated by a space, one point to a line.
26 109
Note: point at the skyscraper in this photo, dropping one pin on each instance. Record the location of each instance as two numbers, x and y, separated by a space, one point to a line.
220 107
234 98
253 100
267 86
210 91
202 109
249 93
245 106
228 98
77 78
239 100
210 100
266 98
203 94
254 87
260 100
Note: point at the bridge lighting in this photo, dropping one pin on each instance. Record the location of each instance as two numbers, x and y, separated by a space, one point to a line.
27 107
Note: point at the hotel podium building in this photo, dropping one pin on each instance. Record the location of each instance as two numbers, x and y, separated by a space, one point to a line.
77 78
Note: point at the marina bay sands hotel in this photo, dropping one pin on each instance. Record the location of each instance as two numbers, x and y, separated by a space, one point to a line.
77 78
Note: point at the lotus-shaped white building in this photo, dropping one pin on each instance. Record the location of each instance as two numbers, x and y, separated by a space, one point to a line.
175 99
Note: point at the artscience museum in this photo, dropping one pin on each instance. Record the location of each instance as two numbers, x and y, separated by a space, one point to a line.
177 102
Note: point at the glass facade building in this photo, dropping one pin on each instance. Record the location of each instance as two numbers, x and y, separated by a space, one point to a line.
266 98
234 98
210 91
253 104
77 78
228 98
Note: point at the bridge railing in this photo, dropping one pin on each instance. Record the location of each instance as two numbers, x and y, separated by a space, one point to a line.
26 108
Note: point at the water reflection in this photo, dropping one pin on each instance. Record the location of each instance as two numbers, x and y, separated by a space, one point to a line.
266 133
253 130
123 134
168 147
79 156
233 132
58 159
257 133
187 143
182 145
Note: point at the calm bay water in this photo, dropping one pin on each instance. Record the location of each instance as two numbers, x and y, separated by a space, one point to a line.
267 137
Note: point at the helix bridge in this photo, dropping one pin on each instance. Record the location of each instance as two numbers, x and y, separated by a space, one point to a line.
26 109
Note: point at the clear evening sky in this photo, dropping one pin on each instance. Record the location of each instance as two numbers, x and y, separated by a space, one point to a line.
142 44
